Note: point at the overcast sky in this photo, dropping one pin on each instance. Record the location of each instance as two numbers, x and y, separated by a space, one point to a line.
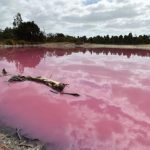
81 17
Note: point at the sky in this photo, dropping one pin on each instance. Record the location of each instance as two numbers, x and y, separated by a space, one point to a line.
81 17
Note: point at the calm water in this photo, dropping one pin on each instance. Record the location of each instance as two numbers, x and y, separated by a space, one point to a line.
112 113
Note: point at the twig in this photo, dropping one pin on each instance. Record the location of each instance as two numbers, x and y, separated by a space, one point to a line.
54 92
26 145
73 94
18 134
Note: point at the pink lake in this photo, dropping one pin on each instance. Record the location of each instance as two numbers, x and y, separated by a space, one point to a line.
112 113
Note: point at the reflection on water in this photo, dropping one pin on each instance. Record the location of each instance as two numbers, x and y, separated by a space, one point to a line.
31 57
111 113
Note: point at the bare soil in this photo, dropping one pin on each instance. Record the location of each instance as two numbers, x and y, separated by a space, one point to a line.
66 45
87 45
11 139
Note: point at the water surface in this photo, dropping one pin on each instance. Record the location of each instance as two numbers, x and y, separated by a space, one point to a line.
112 113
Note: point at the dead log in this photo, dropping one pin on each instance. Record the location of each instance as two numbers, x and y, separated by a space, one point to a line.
57 86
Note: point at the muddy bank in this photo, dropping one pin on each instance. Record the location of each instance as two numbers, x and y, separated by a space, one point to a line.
87 45
65 45
12 139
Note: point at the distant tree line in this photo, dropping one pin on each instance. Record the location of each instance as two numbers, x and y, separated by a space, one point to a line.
30 32
126 39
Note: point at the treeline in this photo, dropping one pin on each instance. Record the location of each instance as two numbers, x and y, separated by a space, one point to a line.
126 39
29 32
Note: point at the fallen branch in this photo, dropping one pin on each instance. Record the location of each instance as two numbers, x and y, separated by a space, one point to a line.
25 144
73 94
57 86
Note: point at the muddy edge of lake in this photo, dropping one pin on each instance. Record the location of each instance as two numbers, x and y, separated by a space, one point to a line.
65 45
13 139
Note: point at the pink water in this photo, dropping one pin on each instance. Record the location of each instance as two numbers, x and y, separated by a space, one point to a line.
112 113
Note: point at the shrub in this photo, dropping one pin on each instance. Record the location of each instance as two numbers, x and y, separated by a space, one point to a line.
9 42
21 42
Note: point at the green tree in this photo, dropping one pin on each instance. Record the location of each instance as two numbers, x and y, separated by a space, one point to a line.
17 20
83 39
130 38
29 31
60 37
120 39
8 33
1 34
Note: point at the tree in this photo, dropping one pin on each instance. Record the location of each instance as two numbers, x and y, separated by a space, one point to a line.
17 20
120 39
29 31
1 34
59 37
83 39
130 38
8 33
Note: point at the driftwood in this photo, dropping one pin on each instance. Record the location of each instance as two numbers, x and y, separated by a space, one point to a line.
57 86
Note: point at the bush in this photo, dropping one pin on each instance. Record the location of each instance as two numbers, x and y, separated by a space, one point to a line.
21 42
9 42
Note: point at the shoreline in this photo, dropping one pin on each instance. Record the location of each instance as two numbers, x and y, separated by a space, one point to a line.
65 45
11 138
92 46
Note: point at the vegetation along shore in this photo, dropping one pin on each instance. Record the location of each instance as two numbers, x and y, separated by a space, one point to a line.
26 33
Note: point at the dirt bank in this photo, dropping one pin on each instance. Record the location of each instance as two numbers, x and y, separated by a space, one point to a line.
85 45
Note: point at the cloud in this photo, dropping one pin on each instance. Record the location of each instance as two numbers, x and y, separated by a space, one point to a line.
80 17
128 24
101 16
